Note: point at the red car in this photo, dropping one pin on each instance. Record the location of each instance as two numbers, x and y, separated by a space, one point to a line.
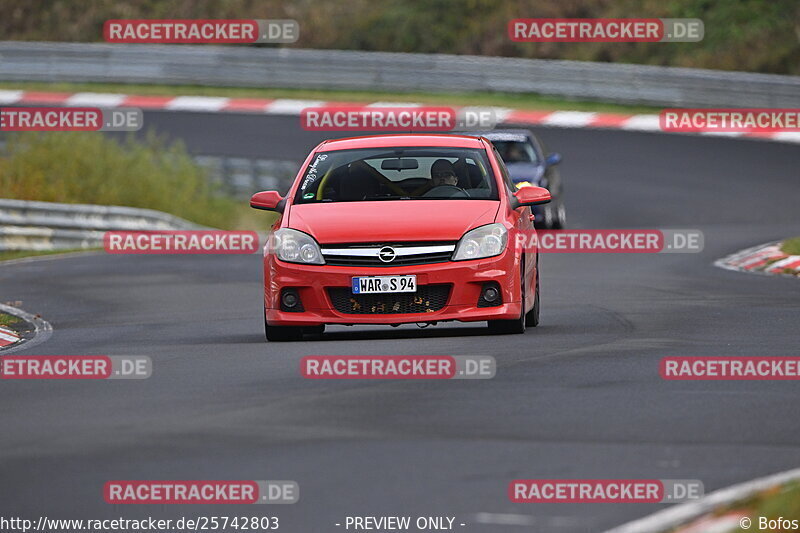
394 229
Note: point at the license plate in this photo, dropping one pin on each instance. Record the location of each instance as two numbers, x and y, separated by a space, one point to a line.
379 284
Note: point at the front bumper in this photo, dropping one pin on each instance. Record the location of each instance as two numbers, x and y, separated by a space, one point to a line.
464 278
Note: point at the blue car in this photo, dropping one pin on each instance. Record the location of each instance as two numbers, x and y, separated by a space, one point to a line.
524 157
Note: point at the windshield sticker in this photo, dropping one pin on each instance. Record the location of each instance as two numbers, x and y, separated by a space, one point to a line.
312 174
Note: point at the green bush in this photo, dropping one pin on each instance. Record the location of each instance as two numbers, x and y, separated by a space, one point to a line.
751 35
91 168
791 246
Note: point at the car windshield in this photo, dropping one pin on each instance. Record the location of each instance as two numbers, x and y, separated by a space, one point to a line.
403 173
515 151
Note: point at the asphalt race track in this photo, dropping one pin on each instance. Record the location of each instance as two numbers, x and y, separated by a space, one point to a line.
578 397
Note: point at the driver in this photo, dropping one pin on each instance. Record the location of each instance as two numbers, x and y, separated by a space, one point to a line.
514 154
443 173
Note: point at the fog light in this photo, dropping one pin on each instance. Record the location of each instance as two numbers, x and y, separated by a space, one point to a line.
490 294
290 301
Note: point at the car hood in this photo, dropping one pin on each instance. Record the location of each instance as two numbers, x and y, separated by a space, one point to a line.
391 221
530 172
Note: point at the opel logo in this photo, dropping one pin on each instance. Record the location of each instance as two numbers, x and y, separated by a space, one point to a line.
386 254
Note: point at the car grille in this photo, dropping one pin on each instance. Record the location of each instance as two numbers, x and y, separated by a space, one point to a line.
406 254
427 299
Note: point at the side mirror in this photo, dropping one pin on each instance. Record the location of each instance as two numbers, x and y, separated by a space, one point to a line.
553 159
268 201
531 196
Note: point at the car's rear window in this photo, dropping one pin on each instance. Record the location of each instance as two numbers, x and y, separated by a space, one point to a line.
400 173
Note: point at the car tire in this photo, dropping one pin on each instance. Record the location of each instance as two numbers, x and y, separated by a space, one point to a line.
560 219
549 219
315 331
532 318
282 333
514 326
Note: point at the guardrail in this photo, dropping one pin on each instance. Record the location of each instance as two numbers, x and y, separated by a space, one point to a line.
240 177
26 225
336 69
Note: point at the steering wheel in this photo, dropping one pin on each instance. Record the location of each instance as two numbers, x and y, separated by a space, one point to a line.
449 191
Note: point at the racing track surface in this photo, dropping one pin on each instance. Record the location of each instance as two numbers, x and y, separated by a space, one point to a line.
578 397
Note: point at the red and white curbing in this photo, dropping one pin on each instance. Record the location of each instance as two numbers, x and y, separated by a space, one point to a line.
11 341
765 258
284 106
8 337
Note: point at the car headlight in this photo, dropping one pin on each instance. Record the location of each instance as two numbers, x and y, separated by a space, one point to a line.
295 246
485 241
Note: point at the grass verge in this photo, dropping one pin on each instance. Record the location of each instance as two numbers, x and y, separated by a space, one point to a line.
91 168
14 323
780 502
528 101
791 246
20 254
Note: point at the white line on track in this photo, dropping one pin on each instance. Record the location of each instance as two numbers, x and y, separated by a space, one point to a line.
524 520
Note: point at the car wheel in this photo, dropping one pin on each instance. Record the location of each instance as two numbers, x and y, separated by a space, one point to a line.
560 218
532 318
549 219
514 326
283 333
